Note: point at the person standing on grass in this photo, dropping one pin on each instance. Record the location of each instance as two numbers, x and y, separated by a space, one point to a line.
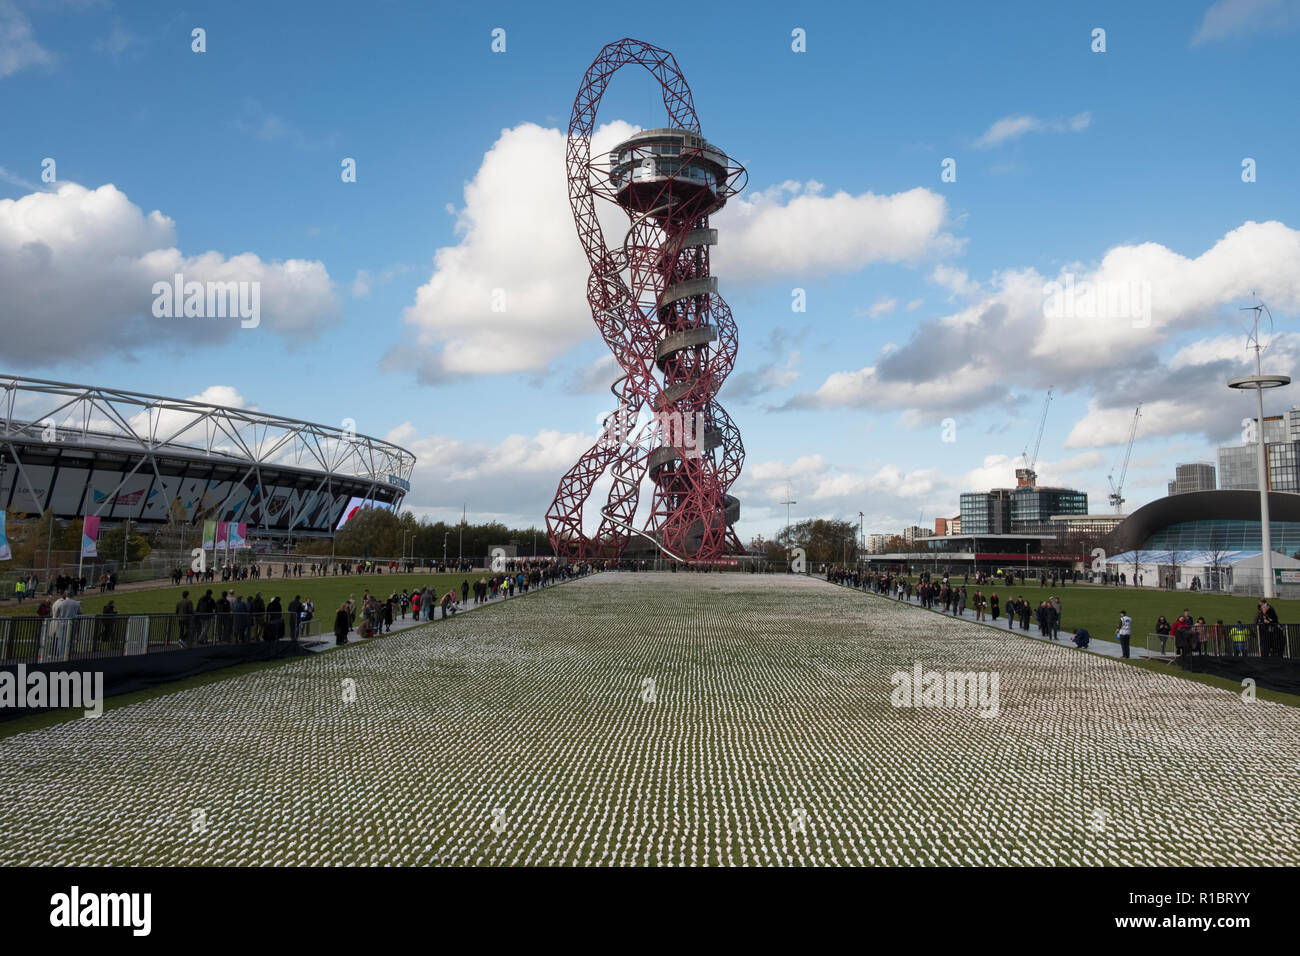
206 610
295 612
1266 625
242 623
257 607
1163 629
1239 635
342 623
1125 632
464 591
184 611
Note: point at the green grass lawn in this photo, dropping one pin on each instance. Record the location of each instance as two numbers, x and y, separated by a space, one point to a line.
327 593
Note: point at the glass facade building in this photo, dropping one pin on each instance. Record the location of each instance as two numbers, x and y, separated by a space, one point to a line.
1036 506
1223 535
1237 468
1197 476
1239 471
986 512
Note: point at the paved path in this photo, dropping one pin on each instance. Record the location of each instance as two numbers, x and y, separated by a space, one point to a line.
1097 645
326 641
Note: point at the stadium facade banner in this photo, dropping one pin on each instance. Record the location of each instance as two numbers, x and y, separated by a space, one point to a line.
237 532
223 530
89 536
209 535
5 552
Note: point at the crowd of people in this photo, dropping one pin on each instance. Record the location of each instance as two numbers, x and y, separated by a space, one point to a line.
951 598
236 618
1197 636
1190 636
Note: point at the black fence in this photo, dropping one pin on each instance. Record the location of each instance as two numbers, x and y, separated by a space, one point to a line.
1211 640
94 636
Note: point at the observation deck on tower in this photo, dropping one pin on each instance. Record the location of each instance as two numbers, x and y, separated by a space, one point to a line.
674 167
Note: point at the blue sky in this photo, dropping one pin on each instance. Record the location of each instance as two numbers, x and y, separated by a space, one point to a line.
923 303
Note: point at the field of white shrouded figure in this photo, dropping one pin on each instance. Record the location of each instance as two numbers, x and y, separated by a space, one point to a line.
678 719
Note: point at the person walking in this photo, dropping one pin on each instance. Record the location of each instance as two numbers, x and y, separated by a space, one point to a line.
1125 632
184 611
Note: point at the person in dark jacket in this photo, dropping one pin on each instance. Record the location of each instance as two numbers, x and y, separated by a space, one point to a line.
185 613
295 614
206 610
274 620
1163 630
388 612
257 607
242 623
342 623
1270 633
464 592
225 619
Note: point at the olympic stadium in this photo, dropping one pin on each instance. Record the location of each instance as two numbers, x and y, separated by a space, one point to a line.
84 450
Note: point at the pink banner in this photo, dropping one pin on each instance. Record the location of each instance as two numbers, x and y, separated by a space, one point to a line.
223 531
89 535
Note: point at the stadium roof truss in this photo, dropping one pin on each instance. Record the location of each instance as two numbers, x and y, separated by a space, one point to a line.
64 417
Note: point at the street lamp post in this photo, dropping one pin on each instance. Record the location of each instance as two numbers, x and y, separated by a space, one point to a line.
1259 382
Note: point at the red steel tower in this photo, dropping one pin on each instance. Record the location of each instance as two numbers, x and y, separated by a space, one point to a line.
657 306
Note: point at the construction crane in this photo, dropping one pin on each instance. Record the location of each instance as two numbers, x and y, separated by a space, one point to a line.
1026 476
1117 487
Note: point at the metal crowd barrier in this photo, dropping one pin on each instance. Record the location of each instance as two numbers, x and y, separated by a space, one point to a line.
30 640
1213 641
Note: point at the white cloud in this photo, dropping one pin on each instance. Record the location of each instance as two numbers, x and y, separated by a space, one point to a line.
80 264
512 481
954 280
19 48
882 306
791 229
890 496
1009 127
510 296
1235 18
960 361
16 180
1013 127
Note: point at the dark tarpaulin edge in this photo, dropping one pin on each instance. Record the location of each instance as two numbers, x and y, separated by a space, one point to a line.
124 675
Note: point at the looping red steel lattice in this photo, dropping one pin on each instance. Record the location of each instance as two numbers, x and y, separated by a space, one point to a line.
656 305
